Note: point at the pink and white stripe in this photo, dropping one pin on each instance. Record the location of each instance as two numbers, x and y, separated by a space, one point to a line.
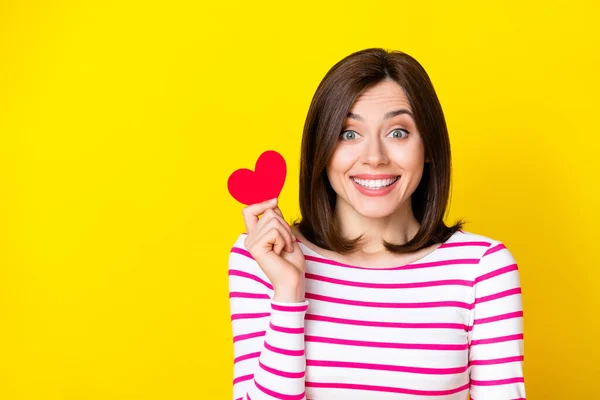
440 328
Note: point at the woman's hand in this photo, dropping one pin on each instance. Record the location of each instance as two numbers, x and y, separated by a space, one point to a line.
273 245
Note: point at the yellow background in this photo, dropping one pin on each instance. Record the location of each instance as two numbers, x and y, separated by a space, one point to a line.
120 123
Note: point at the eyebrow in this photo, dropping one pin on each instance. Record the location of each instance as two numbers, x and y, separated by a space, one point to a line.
387 115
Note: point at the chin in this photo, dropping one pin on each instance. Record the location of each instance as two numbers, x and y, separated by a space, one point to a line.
374 211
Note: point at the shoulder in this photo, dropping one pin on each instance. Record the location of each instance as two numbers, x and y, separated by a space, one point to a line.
239 241
239 255
242 265
495 259
487 245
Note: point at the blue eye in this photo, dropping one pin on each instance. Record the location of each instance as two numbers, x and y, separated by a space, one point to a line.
346 137
401 130
352 134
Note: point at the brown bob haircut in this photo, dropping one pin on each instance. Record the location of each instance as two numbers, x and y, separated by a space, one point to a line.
328 110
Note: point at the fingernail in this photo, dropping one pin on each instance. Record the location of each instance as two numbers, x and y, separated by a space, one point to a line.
272 201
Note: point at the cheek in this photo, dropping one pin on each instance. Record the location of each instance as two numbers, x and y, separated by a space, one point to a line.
341 162
415 161
337 169
345 157
410 157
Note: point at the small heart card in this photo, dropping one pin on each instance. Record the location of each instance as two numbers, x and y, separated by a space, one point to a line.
264 183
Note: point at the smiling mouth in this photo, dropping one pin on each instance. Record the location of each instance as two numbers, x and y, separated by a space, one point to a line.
375 184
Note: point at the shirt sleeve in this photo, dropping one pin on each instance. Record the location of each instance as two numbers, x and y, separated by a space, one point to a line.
495 337
268 336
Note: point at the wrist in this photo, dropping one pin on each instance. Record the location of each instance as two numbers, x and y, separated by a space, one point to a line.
289 294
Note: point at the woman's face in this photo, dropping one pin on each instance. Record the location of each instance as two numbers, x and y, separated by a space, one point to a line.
379 139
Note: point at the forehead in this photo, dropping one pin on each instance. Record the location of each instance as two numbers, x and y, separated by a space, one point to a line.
383 96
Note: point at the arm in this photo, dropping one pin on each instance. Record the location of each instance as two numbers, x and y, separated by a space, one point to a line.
268 336
496 343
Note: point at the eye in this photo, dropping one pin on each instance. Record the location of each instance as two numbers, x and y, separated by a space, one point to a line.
352 135
400 130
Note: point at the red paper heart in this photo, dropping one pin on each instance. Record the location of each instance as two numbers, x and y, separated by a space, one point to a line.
264 183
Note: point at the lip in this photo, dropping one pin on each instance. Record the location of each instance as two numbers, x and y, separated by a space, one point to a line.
376 192
371 176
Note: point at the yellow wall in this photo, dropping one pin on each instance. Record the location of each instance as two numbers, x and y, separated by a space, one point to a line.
120 124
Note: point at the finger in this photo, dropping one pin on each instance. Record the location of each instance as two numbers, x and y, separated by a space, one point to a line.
290 235
274 221
277 211
275 240
251 213
261 226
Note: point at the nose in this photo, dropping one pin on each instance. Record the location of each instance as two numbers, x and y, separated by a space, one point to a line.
374 153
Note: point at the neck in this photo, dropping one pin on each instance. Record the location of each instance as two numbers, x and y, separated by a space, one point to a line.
398 227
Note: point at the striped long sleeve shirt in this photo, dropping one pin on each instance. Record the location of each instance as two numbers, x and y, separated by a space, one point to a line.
443 327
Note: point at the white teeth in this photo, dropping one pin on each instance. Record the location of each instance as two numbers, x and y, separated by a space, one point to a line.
375 184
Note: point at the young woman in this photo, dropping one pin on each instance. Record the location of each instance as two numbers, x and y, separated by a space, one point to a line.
371 295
